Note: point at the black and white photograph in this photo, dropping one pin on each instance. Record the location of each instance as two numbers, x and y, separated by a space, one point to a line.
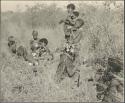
62 51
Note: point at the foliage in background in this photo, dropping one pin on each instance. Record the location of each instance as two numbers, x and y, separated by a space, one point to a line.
102 32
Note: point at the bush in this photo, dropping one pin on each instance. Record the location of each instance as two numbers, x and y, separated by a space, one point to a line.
103 27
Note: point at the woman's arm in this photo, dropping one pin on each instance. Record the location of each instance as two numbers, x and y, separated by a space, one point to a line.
78 36
50 53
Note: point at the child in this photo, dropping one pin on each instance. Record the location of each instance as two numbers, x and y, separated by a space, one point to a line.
71 25
68 21
69 38
76 31
74 17
34 44
44 50
78 24
70 9
12 44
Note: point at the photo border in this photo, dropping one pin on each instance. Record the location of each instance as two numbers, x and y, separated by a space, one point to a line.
1 58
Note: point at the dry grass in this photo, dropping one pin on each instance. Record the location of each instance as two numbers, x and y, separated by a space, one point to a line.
102 37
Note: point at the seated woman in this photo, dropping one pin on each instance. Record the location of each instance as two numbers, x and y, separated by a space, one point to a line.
20 51
44 51
23 53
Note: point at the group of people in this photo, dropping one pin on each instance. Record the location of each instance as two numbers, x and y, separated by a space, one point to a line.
39 47
106 84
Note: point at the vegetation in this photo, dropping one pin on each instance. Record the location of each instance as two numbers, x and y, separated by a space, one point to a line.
102 38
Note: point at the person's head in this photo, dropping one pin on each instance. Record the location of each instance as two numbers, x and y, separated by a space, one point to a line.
79 23
67 37
70 8
43 42
35 34
75 15
11 40
12 44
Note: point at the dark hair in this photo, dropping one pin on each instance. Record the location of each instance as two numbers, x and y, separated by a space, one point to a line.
35 32
43 40
67 36
81 22
11 38
76 13
10 43
72 6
